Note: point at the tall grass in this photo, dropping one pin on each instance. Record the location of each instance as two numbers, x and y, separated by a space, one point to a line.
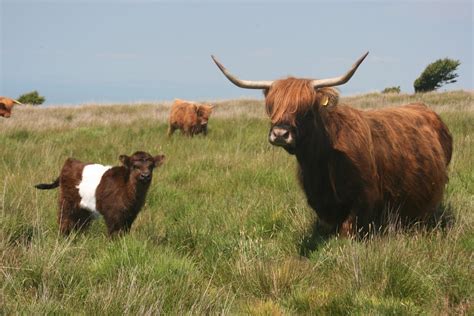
225 229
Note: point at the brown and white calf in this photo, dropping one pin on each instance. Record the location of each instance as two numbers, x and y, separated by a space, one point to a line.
89 190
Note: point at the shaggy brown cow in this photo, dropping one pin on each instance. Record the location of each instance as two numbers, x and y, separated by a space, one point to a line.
89 190
190 118
356 167
6 105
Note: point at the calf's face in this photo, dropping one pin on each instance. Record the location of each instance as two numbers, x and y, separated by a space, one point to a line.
141 165
204 112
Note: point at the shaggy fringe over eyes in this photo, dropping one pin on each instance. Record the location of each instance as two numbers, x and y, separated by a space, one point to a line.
205 110
289 97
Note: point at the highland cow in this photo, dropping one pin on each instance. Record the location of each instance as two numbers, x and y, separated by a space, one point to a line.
6 105
357 167
190 118
87 191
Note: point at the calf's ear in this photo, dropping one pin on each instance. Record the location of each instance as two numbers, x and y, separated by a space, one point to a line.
159 160
125 160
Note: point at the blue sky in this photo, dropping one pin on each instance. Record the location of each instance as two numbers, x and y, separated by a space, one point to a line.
126 51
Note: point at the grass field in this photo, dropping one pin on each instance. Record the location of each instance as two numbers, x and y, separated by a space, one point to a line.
225 229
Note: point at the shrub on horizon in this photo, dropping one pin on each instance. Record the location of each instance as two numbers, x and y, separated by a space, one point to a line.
436 75
32 98
392 90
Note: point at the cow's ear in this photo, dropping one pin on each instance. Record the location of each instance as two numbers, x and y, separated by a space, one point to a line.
327 97
159 160
125 160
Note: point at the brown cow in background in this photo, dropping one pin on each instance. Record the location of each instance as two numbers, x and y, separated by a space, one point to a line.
357 167
6 105
191 118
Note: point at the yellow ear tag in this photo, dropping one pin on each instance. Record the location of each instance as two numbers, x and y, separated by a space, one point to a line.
325 101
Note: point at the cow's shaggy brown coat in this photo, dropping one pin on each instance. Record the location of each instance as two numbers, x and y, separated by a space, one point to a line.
191 118
357 166
6 105
119 196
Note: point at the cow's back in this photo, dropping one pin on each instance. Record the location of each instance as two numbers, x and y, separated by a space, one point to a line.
412 148
182 113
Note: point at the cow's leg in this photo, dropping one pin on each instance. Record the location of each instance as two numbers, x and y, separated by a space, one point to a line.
65 225
187 130
357 223
84 219
66 217
171 129
348 228
73 219
117 225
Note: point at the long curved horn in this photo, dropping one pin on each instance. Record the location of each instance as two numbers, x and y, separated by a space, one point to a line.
17 102
331 82
242 83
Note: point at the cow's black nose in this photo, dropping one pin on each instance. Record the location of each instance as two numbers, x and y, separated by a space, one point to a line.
281 136
281 133
145 176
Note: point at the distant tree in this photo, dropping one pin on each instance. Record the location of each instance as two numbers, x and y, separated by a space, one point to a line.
32 97
391 90
437 74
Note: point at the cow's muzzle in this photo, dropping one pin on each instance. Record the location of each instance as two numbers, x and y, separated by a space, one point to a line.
282 135
145 177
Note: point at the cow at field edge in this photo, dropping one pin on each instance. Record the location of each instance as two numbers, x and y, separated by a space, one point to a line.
191 118
357 167
6 105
